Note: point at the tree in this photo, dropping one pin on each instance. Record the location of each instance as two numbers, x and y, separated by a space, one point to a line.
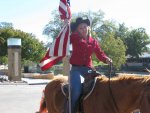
4 60
4 34
6 25
122 32
106 28
111 43
31 48
54 26
137 42
1 40
115 49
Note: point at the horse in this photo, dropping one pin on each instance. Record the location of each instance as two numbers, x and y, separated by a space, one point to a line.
120 94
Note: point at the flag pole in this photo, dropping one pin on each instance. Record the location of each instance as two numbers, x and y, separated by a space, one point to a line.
66 67
66 71
69 93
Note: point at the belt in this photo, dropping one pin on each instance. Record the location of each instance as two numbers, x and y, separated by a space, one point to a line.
78 65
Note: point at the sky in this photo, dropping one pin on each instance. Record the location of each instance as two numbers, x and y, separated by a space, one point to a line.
31 16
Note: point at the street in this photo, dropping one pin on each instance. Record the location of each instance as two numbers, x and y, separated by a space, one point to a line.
22 98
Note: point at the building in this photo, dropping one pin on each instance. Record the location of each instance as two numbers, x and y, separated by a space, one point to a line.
138 64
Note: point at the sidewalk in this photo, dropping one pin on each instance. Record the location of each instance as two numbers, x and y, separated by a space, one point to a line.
20 98
24 81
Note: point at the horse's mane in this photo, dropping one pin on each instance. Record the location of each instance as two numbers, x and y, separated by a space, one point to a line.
126 77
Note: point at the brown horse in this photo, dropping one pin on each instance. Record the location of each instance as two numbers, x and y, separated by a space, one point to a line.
129 92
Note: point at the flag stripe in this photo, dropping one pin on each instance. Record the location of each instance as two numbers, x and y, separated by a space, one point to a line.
52 61
63 42
66 42
51 53
46 61
63 6
53 46
56 48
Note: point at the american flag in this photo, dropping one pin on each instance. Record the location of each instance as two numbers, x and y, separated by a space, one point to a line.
60 46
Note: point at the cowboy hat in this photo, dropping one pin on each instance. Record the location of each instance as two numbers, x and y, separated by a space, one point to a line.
78 21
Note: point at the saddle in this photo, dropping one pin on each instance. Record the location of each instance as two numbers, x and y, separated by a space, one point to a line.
87 88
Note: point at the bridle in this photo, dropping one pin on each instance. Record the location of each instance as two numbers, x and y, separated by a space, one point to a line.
110 90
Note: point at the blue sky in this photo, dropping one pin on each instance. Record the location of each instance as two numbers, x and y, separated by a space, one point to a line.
32 15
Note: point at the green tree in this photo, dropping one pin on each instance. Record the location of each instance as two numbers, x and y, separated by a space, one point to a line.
106 28
137 42
115 49
4 34
54 26
6 25
32 49
122 32
3 60
1 40
111 43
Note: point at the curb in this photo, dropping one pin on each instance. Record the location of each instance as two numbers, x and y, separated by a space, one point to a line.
13 83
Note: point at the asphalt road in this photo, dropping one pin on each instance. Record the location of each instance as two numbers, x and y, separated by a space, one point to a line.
20 98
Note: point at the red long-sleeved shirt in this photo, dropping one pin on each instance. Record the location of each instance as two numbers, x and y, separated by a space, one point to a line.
82 50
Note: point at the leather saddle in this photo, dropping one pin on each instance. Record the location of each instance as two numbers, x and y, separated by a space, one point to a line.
87 88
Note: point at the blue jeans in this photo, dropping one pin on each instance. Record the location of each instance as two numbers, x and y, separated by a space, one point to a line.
77 75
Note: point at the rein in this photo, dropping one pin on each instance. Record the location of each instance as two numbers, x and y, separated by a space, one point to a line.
110 90
145 88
